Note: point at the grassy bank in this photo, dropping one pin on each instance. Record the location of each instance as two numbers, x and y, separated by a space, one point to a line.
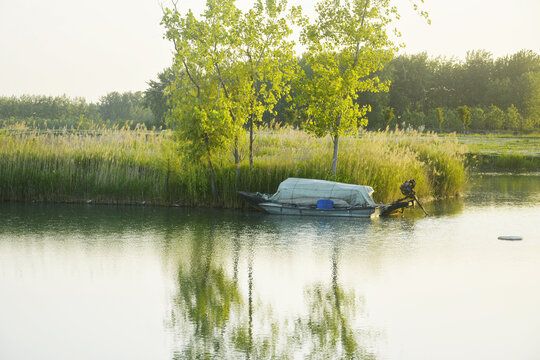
504 162
502 152
135 166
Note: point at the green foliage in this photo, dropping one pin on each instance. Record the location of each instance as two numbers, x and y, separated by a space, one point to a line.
516 162
266 64
512 119
465 116
156 98
203 112
410 76
420 85
494 118
440 117
346 44
503 152
478 118
388 115
231 68
502 143
121 107
508 162
46 112
531 101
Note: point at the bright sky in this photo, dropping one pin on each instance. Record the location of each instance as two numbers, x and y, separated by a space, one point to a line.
90 48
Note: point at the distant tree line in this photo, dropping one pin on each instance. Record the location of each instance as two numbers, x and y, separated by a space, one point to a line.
438 94
480 93
48 112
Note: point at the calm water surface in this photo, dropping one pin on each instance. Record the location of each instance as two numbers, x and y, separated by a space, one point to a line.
92 282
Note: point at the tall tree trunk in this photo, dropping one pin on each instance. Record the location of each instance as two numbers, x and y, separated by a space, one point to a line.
212 174
251 142
213 180
236 154
236 159
335 156
167 180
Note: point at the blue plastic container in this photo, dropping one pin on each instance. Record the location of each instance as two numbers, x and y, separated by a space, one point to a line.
325 204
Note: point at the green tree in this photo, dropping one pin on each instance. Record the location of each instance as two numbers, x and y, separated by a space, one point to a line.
478 118
465 116
266 58
512 80
156 98
494 118
202 112
245 58
440 117
512 119
118 108
388 115
475 78
412 81
531 103
345 45
47 111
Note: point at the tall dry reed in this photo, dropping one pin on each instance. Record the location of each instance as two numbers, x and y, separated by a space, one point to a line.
135 166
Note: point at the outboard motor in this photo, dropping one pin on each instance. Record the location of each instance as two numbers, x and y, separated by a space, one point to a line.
407 188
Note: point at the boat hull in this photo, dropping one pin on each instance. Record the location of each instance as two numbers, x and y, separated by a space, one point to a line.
251 198
282 209
261 203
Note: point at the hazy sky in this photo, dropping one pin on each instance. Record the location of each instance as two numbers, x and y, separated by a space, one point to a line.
90 48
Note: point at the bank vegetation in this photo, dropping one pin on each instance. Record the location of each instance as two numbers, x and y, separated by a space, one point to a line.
124 166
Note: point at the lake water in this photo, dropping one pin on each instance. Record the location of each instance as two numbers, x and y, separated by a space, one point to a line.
96 282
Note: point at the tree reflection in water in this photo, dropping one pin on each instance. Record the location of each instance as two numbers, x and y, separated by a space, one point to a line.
215 320
204 303
328 325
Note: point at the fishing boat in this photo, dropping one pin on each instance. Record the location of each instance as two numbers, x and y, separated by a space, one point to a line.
311 197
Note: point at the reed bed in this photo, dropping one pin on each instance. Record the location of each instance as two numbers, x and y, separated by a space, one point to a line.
123 166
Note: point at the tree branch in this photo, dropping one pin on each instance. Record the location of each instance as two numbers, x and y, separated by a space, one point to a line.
358 42
192 80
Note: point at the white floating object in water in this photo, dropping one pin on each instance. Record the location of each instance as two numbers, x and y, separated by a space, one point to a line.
510 237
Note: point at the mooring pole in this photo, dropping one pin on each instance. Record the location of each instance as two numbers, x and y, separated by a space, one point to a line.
421 207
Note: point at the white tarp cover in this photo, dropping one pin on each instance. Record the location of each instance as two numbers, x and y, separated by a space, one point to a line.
308 191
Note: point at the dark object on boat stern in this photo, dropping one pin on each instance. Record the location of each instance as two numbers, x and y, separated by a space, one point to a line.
407 189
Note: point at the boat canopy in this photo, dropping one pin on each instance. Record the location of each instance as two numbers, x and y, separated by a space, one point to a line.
306 192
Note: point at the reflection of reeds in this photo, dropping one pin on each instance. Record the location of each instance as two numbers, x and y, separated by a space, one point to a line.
131 166
512 161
